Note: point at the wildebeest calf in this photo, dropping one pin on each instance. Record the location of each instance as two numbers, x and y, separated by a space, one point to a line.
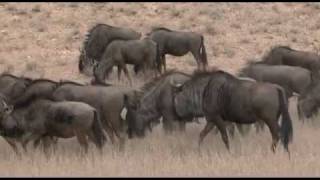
140 53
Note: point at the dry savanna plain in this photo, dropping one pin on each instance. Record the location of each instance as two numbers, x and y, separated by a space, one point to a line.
43 40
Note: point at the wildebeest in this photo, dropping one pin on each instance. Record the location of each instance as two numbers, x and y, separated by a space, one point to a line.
220 97
142 54
97 39
179 43
12 86
153 102
292 79
108 100
43 117
309 101
284 55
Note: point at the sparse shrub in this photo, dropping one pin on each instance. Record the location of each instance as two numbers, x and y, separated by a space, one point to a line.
73 5
229 52
31 66
61 63
244 41
175 13
275 8
216 15
11 8
294 39
9 69
236 26
21 12
36 9
211 30
294 31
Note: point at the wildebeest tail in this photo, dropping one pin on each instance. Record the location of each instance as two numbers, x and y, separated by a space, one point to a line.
158 59
97 130
286 124
203 53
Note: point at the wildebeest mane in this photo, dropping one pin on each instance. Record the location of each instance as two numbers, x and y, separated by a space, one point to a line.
89 33
64 82
146 87
200 73
160 28
268 53
41 80
16 77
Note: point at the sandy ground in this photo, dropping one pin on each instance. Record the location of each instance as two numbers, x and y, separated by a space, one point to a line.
43 40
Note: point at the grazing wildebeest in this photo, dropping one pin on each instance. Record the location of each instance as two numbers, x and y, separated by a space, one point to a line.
12 86
284 55
292 79
97 39
153 102
179 43
220 97
140 53
309 101
108 100
43 117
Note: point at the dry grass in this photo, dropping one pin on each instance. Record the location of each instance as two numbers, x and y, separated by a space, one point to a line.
43 39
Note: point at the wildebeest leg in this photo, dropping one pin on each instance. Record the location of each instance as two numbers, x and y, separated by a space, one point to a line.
47 141
82 139
205 131
167 122
197 57
119 72
13 145
241 129
182 126
223 131
109 131
231 129
94 140
259 126
127 73
164 63
275 131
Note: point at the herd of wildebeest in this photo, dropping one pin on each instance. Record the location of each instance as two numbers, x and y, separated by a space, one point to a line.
41 111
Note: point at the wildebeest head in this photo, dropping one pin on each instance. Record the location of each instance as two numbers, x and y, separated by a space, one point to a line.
179 99
85 63
309 101
5 109
137 122
8 125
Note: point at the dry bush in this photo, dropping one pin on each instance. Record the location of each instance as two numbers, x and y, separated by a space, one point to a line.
36 9
31 66
229 52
